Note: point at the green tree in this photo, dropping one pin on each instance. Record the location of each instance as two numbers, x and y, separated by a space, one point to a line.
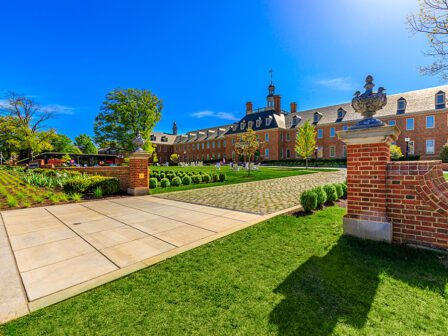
395 152
247 146
63 144
85 143
125 114
432 20
444 153
306 141
174 158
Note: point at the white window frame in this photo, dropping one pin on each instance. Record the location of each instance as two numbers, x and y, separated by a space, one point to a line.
288 153
268 121
413 124
332 148
320 133
401 101
266 137
433 121
332 132
440 94
258 123
411 147
287 136
433 146
266 153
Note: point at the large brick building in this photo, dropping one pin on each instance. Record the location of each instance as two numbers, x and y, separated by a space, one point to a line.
421 115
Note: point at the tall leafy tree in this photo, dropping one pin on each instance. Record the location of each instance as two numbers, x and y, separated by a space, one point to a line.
85 143
432 20
125 114
306 141
247 146
63 144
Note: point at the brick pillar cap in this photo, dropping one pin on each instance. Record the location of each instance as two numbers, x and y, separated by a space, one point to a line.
371 135
140 155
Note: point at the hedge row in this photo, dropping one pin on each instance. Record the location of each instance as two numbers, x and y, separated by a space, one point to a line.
336 162
313 198
86 185
176 178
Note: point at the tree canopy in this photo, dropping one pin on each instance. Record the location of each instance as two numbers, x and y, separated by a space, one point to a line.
125 114
85 143
306 141
247 146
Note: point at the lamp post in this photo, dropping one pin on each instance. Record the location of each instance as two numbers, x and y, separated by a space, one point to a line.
407 140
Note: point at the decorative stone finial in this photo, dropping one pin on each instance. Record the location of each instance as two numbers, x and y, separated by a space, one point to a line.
139 142
368 103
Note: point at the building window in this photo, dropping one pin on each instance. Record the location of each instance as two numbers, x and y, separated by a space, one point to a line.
332 132
288 153
281 136
208 145
341 114
392 123
233 141
203 146
411 147
320 133
295 120
266 153
332 151
219 144
410 124
242 125
250 124
344 151
268 121
287 137
224 143
316 117
440 100
345 127
429 121
401 105
266 137
320 152
430 146
281 153
153 138
258 122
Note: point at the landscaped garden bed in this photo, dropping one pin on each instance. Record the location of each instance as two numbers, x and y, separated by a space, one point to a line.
287 276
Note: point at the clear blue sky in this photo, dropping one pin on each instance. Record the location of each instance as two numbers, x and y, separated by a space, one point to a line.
204 55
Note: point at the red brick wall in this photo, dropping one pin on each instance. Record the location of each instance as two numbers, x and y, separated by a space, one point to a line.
138 166
122 173
366 181
417 203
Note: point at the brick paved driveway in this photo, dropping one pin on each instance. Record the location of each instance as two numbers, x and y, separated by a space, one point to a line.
261 197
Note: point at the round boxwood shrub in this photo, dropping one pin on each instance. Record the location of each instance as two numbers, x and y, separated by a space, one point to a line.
153 182
321 195
344 189
176 181
214 177
222 177
206 178
186 180
197 179
332 194
308 199
339 190
164 183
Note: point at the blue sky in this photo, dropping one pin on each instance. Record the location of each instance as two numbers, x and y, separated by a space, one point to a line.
204 59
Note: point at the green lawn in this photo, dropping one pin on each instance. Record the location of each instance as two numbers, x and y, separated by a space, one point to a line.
446 176
264 173
288 276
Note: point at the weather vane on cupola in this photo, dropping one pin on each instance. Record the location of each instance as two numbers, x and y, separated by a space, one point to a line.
270 74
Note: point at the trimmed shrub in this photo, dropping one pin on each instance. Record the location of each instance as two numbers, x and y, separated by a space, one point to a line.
339 190
186 180
206 178
222 177
83 185
197 179
332 194
214 177
176 181
165 183
321 195
344 189
153 182
308 199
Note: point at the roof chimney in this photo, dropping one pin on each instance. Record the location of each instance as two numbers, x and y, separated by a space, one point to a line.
277 104
249 107
293 108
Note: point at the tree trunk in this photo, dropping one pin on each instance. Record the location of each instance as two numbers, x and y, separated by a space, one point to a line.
306 163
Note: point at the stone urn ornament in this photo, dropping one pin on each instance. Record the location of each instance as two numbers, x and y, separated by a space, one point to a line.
139 142
367 104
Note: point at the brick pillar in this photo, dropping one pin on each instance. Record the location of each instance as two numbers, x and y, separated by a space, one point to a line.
368 153
138 174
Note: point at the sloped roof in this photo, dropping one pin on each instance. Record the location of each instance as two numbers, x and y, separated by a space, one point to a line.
158 138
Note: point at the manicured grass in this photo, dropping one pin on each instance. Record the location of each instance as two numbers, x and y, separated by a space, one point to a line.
233 177
15 193
446 176
288 276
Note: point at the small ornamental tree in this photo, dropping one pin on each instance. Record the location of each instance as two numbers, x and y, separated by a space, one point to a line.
155 159
444 153
395 152
174 158
247 146
306 141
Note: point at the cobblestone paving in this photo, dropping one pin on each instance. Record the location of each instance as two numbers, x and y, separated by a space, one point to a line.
261 197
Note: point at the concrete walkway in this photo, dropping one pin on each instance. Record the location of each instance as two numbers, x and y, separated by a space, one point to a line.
51 253
261 197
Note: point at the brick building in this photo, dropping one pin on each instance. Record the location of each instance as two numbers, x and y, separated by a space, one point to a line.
422 117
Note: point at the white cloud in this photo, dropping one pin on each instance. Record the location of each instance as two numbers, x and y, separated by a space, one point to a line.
338 83
52 108
213 114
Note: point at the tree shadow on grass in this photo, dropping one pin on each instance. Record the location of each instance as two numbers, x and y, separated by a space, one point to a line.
341 286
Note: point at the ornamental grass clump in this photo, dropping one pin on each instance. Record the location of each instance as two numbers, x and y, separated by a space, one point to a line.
308 199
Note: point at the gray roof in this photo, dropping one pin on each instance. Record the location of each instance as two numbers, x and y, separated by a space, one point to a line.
158 138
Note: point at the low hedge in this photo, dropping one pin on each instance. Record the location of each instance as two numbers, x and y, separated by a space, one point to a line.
165 183
313 198
153 183
334 162
86 185
308 199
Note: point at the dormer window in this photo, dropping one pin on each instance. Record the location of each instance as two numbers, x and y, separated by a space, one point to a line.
341 114
164 139
258 122
316 117
250 124
268 121
295 120
242 126
153 137
440 100
401 106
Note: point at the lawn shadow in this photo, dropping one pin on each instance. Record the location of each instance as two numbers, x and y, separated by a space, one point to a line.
341 286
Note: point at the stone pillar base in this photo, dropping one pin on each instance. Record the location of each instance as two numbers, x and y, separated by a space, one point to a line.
366 229
138 191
